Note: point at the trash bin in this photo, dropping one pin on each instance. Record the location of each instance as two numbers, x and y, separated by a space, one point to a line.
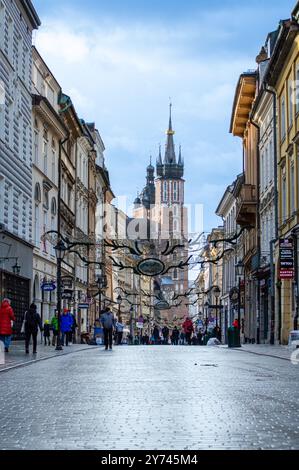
233 337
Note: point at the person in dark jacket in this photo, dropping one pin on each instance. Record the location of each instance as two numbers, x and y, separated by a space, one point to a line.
6 318
156 335
32 323
175 336
108 323
47 333
73 331
165 333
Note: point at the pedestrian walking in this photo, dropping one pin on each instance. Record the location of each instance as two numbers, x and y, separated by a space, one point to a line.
188 329
73 330
54 326
119 327
32 324
156 335
47 333
108 322
7 318
66 323
175 336
165 333
182 338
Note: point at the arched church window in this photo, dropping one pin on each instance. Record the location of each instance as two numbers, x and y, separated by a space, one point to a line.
37 193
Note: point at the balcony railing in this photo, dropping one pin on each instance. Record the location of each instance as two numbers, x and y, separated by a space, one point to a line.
246 205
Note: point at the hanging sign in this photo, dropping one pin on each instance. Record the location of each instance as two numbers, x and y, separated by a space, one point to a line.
286 259
48 286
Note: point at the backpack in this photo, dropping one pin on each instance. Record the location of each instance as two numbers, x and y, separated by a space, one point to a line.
30 320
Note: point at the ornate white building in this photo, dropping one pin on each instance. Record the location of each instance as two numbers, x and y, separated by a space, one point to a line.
17 21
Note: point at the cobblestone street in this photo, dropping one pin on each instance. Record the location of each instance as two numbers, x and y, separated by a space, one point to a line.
151 398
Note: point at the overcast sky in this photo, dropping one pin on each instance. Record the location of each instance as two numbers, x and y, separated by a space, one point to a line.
121 60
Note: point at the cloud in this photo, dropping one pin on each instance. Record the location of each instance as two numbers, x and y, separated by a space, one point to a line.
121 74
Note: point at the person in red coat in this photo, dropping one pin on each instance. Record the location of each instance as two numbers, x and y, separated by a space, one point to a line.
188 329
6 318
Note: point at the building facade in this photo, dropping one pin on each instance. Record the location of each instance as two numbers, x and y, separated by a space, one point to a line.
48 132
18 19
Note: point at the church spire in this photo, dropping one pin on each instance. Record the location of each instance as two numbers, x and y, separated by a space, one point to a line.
170 157
159 160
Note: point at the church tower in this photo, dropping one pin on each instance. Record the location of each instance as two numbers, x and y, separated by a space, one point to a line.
171 215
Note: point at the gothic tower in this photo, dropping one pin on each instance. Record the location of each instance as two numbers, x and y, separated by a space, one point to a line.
171 214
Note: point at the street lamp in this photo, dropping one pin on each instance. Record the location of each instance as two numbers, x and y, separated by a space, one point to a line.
60 250
16 268
119 301
207 305
240 273
217 294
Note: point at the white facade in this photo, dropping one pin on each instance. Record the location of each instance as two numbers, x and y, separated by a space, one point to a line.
16 25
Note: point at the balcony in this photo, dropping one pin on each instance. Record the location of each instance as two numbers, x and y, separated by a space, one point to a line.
246 205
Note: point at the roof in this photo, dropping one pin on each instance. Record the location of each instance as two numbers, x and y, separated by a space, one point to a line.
244 97
31 13
287 33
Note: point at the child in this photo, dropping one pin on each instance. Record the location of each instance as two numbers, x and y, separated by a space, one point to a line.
47 333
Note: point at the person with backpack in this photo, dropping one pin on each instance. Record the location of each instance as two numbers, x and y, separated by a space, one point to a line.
108 322
32 322
6 318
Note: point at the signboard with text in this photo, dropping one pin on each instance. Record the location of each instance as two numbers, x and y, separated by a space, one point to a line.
286 259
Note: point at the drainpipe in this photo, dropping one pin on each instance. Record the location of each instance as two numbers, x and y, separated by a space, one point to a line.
258 230
274 241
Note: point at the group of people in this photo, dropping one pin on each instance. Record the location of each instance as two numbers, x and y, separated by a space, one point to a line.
32 323
176 337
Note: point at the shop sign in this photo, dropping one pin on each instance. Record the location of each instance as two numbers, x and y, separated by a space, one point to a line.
286 259
48 286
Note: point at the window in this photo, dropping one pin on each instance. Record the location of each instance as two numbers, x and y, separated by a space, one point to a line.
36 226
53 206
297 90
45 152
46 199
53 164
165 191
175 191
283 118
292 188
10 202
35 149
175 274
37 193
2 183
284 198
290 102
45 228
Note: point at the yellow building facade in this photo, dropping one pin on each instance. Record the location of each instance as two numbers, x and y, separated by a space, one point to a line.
283 77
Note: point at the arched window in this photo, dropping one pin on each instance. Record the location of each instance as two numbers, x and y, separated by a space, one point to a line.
37 193
53 206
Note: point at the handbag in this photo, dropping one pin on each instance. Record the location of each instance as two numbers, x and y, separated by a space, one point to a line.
23 325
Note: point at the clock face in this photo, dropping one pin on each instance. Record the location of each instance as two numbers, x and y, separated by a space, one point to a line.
151 267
